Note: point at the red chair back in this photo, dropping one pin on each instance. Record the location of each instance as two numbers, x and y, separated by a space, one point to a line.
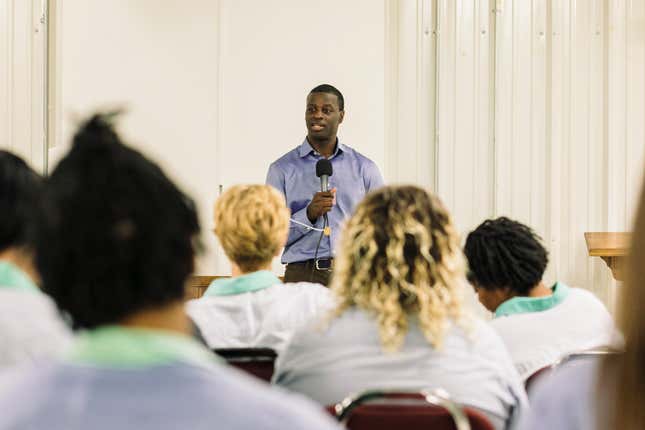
259 362
405 410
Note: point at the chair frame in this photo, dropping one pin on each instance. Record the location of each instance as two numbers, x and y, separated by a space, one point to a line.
587 353
246 355
438 397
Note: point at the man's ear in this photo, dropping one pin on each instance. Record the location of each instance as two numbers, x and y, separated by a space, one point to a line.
342 116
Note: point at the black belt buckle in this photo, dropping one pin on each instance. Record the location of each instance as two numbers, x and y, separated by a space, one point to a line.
323 264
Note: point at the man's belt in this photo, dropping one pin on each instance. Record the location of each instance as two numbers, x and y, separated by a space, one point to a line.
321 264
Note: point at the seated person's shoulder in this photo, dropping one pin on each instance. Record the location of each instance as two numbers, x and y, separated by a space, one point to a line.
272 407
564 399
586 297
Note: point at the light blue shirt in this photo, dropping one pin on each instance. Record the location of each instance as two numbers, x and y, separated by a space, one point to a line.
247 283
570 399
523 304
129 379
294 175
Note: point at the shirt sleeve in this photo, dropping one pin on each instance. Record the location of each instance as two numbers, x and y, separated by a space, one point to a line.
299 224
372 176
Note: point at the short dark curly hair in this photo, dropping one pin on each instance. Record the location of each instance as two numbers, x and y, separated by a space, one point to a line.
117 236
505 253
330 89
20 188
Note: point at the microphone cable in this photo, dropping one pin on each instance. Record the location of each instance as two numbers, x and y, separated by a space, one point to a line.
322 233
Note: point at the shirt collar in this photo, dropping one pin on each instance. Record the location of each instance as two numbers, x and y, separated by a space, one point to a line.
14 278
522 305
305 149
121 347
242 284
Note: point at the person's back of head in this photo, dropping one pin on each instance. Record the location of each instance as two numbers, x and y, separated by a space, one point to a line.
400 258
505 259
251 223
20 189
117 235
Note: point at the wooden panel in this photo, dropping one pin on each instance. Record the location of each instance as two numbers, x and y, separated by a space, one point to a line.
197 285
608 244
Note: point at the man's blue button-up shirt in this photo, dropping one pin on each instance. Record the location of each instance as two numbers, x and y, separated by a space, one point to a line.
294 175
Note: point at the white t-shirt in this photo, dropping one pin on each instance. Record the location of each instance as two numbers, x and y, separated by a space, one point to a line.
30 327
576 320
328 362
265 317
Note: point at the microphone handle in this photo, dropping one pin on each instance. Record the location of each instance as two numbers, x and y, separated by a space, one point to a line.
324 183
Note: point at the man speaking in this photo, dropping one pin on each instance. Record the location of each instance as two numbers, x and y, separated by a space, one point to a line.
320 194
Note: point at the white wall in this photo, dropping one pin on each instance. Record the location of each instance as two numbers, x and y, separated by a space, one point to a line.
22 72
536 111
216 89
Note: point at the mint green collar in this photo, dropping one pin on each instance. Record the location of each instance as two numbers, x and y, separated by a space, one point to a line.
522 305
242 284
121 347
14 278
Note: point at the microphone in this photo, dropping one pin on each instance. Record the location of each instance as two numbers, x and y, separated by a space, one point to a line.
324 170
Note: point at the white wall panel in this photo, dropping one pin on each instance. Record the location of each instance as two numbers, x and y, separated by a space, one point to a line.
22 83
464 163
635 93
410 86
544 123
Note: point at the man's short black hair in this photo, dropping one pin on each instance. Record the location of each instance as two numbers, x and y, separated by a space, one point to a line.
20 189
505 253
117 236
330 89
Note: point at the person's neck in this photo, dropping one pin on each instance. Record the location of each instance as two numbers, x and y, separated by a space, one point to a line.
236 271
22 260
171 317
323 147
540 290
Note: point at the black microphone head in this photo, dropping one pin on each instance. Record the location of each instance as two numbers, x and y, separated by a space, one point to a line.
323 167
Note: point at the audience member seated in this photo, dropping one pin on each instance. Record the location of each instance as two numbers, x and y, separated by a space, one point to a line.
30 325
539 324
253 308
604 393
400 320
116 247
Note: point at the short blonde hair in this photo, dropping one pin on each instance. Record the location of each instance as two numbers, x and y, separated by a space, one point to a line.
251 223
400 259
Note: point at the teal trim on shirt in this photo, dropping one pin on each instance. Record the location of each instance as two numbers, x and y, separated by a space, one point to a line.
124 347
242 284
523 305
14 278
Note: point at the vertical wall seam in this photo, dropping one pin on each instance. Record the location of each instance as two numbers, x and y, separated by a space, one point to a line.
511 143
492 139
531 103
10 73
626 107
437 75
454 103
475 105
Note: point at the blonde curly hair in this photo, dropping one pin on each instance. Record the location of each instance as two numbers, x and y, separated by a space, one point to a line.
400 258
251 223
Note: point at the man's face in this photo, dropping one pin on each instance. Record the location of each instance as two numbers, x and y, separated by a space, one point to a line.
323 116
